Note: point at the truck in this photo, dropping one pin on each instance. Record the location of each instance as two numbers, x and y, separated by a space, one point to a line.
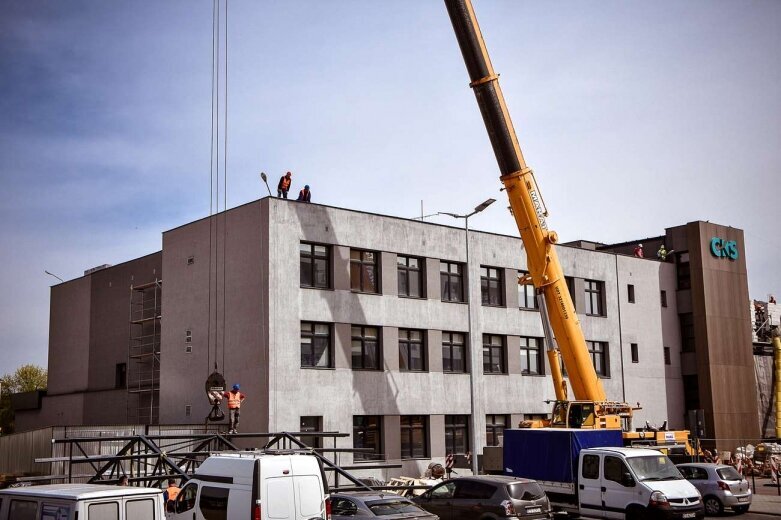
591 473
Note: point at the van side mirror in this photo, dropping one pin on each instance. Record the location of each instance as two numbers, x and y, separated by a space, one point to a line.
627 480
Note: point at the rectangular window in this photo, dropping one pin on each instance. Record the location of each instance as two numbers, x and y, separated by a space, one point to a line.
414 437
663 296
667 360
451 276
213 502
188 409
683 270
630 290
363 271
315 265
411 273
494 428
120 376
570 281
635 353
367 434
23 509
687 332
531 356
453 352
312 423
527 299
456 434
594 291
491 286
412 350
188 336
599 356
493 354
315 345
366 347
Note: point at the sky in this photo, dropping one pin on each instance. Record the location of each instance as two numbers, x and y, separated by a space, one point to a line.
634 115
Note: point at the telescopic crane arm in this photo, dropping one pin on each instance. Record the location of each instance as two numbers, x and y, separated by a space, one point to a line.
527 205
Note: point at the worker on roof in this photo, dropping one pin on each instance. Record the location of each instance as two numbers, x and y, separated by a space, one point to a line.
305 195
284 185
639 251
170 494
235 398
662 253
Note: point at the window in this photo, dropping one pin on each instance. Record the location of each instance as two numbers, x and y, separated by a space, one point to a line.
667 356
443 491
663 295
213 503
412 351
471 490
363 271
683 271
23 509
188 349
103 511
590 467
60 512
188 336
491 286
594 290
143 508
190 260
630 290
453 352
691 392
411 272
343 507
365 348
315 268
188 409
315 345
531 356
414 437
614 469
451 277
120 375
599 356
527 299
687 332
185 500
493 354
494 428
635 353
367 434
312 423
456 434
570 281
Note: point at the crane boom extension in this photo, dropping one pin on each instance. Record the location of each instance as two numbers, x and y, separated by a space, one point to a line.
527 205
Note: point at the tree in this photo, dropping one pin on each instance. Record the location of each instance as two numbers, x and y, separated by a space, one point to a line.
26 378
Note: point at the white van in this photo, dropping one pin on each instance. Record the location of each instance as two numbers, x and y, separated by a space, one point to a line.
82 501
255 486
633 483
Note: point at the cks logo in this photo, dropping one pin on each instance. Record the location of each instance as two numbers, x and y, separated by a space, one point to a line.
724 248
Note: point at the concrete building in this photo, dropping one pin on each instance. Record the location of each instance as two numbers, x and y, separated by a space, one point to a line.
372 325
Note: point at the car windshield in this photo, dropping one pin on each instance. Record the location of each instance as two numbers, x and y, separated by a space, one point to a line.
525 490
392 507
729 473
654 467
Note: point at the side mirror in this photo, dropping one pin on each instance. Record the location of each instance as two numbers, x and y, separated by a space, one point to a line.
627 480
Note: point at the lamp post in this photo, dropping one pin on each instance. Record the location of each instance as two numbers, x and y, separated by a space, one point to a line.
265 181
54 275
474 360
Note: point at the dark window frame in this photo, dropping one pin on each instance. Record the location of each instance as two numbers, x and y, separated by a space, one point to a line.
526 346
686 323
409 426
663 297
526 293
449 346
313 335
633 348
457 426
667 356
404 270
600 350
311 423
406 344
493 428
362 338
595 303
373 428
365 268
630 293
314 256
120 376
496 352
683 271
491 286
446 285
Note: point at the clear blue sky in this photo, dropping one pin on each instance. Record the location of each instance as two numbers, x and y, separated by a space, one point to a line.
635 115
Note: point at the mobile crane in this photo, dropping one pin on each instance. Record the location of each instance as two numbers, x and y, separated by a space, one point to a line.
590 408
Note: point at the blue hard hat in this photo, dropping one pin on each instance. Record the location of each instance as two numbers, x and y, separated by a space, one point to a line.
306 187
236 386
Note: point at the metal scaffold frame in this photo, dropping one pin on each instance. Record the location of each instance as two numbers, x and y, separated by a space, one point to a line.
143 358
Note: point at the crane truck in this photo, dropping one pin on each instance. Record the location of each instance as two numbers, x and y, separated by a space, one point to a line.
590 408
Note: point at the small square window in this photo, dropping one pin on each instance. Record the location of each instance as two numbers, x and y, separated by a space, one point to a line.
188 349
635 353
188 336
190 260
630 290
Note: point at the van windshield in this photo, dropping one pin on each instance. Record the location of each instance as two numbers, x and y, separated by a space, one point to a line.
525 490
654 467
392 507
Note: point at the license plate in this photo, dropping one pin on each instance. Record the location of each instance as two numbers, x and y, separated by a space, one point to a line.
689 515
743 499
532 510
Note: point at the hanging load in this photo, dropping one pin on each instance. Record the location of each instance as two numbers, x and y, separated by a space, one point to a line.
215 387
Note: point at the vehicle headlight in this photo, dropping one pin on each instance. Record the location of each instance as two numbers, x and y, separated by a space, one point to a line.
658 499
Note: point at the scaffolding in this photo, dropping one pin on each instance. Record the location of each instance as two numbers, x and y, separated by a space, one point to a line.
143 358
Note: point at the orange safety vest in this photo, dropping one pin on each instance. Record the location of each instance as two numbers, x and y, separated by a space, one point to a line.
285 183
234 400
173 492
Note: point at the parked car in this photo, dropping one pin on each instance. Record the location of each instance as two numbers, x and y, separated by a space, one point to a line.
368 504
720 486
486 496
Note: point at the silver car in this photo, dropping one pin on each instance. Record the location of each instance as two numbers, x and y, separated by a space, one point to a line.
720 486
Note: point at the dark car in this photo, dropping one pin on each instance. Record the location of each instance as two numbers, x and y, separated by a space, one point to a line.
369 504
486 496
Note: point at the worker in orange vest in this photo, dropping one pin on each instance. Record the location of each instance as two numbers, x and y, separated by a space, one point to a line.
170 494
284 185
235 398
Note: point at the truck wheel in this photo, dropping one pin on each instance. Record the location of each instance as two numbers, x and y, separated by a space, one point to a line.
713 505
636 513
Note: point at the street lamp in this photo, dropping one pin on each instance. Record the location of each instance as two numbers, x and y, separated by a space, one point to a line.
265 180
472 351
54 275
